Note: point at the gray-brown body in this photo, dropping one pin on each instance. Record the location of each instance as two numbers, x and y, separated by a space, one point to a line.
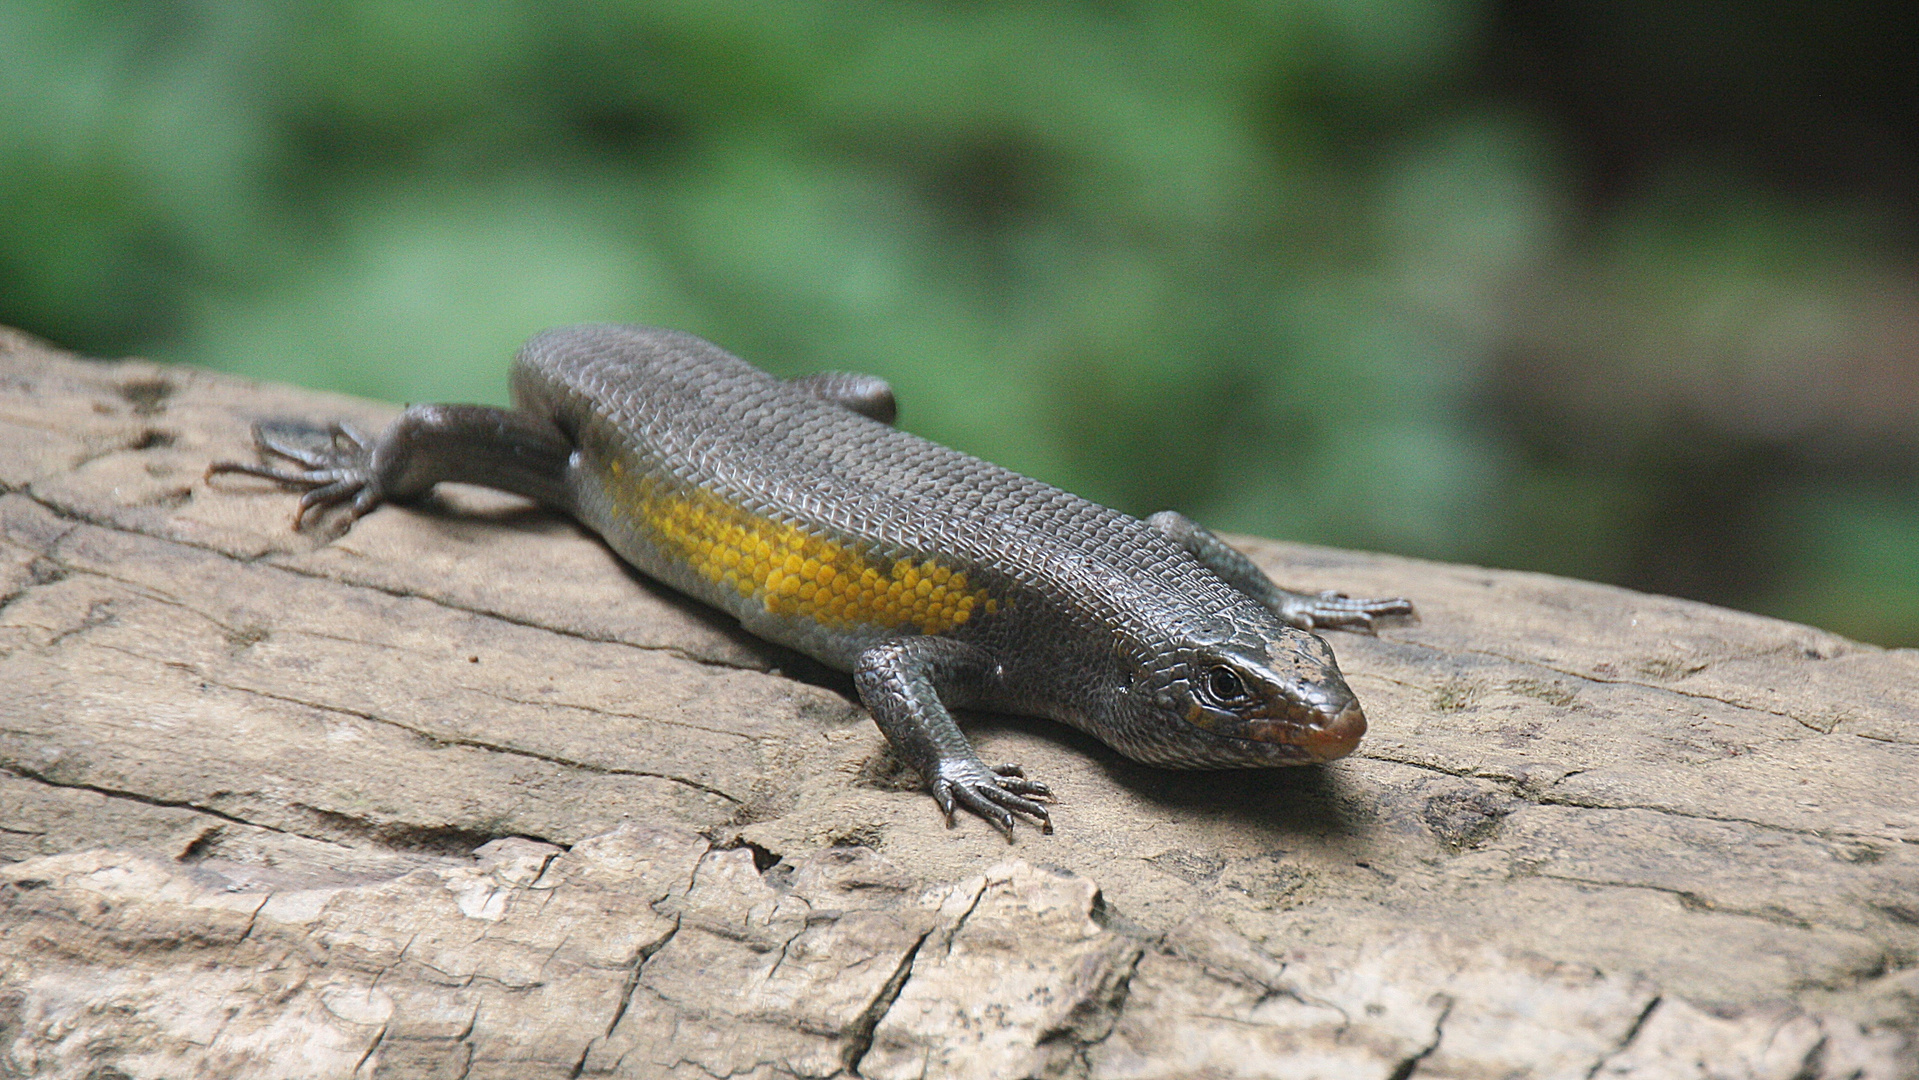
982 587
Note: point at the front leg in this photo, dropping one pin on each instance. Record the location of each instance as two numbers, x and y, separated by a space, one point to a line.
1307 611
906 684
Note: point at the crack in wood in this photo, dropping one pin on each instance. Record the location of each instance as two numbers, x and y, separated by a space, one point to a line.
392 835
859 1034
1603 681
1518 791
1408 1066
1626 1040
1688 899
23 772
436 738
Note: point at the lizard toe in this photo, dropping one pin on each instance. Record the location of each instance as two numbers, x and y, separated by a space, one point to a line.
974 798
1021 786
1013 778
1019 804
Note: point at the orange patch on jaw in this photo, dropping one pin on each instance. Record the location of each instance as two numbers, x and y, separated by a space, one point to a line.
793 571
1328 740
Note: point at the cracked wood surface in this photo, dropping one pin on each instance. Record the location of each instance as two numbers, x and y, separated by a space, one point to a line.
458 795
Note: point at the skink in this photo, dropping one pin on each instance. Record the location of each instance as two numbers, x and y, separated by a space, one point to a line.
939 580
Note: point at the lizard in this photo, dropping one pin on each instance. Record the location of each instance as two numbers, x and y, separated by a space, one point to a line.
938 580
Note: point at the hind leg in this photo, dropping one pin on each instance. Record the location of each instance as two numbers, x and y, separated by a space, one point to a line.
1307 611
499 448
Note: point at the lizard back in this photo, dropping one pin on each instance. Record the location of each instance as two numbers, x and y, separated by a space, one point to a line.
822 528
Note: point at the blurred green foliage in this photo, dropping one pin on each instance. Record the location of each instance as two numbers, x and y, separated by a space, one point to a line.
1297 268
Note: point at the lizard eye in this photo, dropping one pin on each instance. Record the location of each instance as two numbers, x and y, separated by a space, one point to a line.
1224 685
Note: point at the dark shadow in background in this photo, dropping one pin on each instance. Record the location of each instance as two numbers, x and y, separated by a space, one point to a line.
1814 98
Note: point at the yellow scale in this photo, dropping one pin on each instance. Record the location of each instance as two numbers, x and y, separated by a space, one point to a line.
795 572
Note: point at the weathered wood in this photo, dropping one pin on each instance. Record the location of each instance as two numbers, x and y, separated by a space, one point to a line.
458 795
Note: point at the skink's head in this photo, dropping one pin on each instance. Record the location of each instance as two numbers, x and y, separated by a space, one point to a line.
1277 699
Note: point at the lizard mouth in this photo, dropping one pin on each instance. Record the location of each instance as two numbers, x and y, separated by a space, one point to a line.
1308 734
1324 735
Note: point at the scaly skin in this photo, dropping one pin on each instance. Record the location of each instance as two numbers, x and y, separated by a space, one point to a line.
937 579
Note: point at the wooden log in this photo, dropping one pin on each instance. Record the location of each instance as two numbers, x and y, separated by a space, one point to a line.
457 794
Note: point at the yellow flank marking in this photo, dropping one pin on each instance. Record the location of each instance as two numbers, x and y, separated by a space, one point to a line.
793 571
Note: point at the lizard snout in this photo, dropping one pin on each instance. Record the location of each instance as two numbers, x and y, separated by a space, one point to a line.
1334 737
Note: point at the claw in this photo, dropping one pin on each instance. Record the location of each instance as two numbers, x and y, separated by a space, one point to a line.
1011 801
338 473
996 794
973 799
363 503
325 495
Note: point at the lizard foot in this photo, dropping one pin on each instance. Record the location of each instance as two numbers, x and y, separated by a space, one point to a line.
1337 611
340 471
995 794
